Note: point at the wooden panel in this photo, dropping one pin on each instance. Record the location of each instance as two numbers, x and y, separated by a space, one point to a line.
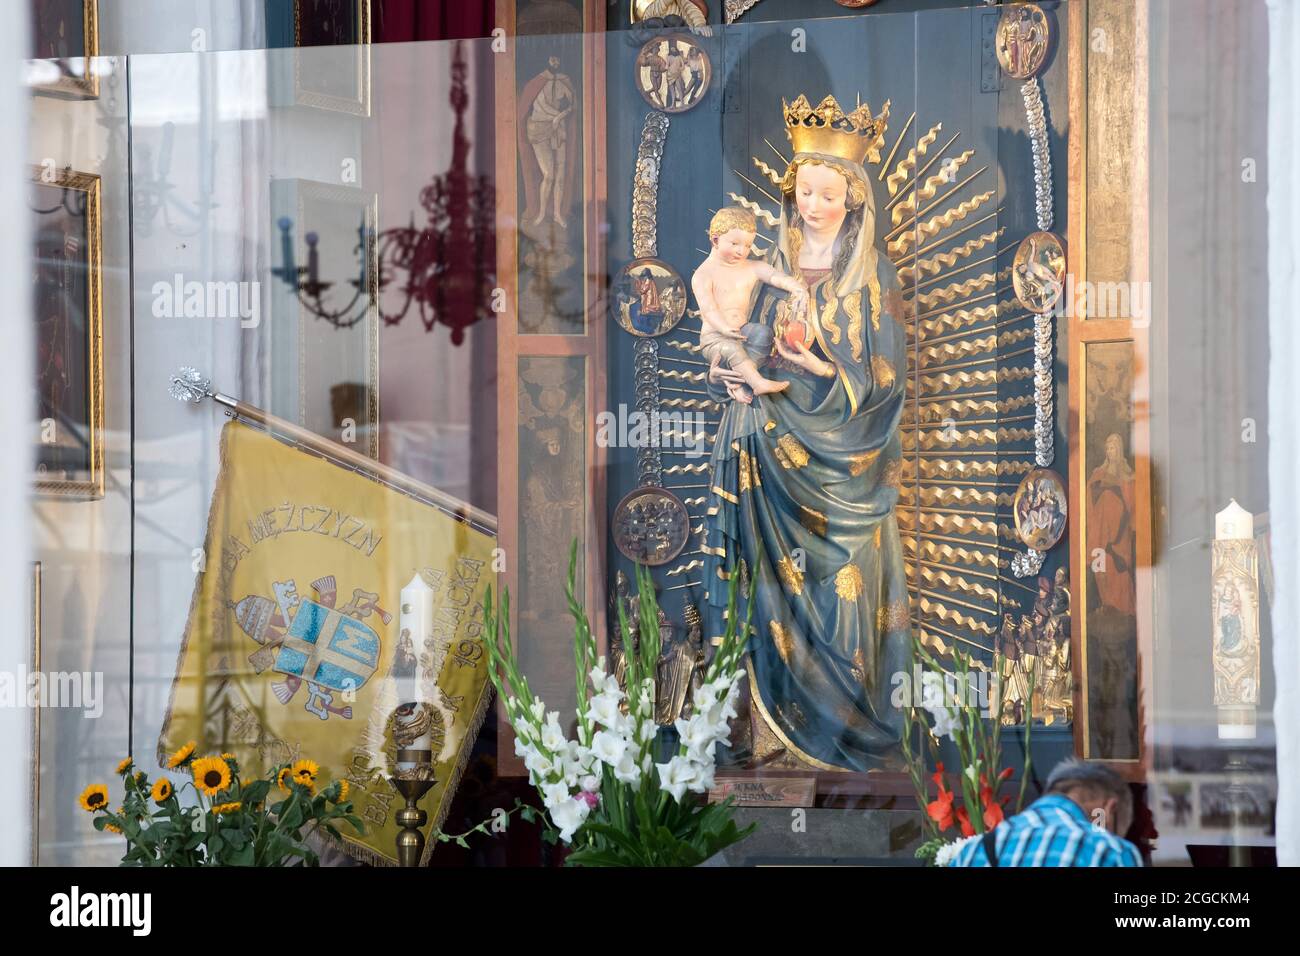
544 341
1109 384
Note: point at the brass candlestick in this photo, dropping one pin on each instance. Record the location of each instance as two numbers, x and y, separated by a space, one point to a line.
412 781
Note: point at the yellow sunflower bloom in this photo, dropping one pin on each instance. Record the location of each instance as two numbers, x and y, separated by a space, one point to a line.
229 758
221 808
343 791
94 797
211 775
124 766
112 828
281 779
182 755
304 771
139 776
162 790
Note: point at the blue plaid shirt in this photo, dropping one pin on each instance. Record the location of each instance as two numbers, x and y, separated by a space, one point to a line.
1052 831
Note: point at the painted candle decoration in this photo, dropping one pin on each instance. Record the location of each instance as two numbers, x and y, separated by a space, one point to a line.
1234 624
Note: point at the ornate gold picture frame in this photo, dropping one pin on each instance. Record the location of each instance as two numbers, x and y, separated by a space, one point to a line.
56 33
67 292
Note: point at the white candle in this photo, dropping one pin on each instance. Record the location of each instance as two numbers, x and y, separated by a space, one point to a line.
415 628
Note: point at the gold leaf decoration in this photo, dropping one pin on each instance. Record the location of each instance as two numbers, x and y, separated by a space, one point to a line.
848 582
782 638
790 575
860 463
883 370
790 452
828 319
853 309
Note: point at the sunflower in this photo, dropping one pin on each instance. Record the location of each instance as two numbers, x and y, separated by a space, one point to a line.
281 777
124 766
304 771
343 791
94 797
112 828
182 755
139 777
211 775
221 808
162 790
229 758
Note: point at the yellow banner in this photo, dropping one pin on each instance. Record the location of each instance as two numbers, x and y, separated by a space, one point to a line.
293 646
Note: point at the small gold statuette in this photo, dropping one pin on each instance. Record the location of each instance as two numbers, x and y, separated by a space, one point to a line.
1038 272
1040 509
673 73
1023 39
1234 613
648 297
651 526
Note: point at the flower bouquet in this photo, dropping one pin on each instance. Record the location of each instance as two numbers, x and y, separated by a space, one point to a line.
234 823
604 794
948 710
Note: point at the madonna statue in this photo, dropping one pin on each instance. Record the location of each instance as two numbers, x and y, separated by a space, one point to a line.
804 481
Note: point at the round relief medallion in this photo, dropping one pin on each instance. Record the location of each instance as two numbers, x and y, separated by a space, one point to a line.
651 526
1040 509
647 297
673 72
1038 271
1023 38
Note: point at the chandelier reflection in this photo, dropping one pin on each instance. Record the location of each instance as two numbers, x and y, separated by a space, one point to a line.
443 271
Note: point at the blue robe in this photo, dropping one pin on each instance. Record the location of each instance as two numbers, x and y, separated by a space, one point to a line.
803 487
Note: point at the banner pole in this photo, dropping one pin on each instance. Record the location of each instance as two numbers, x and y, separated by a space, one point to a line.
190 386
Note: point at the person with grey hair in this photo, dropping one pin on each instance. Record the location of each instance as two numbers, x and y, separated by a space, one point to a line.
1078 821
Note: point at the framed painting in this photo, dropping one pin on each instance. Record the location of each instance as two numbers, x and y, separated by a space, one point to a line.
65 41
67 302
338 79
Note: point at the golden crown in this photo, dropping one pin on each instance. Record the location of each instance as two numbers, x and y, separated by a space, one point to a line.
826 128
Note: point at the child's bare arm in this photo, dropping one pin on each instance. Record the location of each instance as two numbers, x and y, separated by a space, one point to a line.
778 279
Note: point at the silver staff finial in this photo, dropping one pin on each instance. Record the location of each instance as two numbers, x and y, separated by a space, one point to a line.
189 385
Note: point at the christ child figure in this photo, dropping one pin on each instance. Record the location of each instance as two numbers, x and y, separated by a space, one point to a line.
724 286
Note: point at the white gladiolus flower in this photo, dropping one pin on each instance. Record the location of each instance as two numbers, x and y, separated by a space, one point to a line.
609 747
590 783
676 775
553 794
568 816
703 782
604 709
602 682
696 732
944 722
540 764
627 771
645 731
537 710
552 736
646 763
